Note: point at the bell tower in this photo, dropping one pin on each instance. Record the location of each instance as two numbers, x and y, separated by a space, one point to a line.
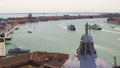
86 44
30 15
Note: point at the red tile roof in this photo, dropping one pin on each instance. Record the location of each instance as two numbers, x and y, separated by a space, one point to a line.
35 59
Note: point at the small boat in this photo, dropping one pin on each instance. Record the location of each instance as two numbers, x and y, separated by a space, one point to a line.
18 50
71 27
17 28
8 38
95 27
11 32
29 31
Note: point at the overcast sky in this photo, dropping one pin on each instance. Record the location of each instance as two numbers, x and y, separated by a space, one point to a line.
11 6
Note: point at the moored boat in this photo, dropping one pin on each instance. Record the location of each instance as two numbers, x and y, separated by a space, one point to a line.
18 50
29 31
71 27
8 38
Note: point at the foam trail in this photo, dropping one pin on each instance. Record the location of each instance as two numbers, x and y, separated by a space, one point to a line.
103 48
99 46
117 28
62 26
118 39
110 31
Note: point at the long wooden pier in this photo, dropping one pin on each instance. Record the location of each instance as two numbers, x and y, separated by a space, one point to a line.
2 47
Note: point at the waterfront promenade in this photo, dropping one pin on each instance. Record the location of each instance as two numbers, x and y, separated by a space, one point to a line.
3 40
11 30
2 49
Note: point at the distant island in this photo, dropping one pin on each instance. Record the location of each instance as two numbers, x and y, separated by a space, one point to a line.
112 18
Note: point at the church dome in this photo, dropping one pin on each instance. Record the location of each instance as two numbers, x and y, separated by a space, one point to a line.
2 23
86 38
86 55
88 62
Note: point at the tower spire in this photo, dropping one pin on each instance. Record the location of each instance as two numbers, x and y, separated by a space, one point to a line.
86 43
86 28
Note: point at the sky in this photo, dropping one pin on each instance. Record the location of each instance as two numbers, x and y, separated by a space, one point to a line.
25 6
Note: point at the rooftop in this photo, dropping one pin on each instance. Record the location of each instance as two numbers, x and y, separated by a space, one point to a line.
35 60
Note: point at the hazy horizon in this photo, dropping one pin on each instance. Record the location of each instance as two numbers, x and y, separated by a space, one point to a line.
54 6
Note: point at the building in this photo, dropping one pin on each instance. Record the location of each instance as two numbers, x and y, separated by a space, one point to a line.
86 54
30 15
3 25
35 60
2 22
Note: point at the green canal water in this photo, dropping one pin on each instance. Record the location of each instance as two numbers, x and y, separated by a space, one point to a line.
53 36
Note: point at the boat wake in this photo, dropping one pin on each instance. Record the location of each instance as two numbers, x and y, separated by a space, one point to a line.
110 31
117 28
108 50
62 26
118 39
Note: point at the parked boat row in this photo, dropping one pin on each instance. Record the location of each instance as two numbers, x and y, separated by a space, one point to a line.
6 38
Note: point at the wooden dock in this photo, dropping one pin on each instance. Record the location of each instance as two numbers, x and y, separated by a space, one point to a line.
2 48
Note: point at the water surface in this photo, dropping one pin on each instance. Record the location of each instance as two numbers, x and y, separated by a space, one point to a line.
53 36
